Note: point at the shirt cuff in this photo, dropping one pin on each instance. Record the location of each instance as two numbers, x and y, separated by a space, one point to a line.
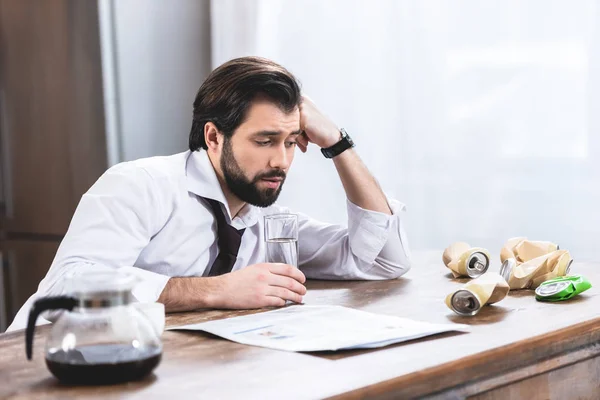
151 284
368 231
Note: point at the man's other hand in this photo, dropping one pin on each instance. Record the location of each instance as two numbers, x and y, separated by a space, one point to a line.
259 285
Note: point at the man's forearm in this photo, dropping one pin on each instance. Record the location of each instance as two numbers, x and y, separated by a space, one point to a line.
361 187
188 293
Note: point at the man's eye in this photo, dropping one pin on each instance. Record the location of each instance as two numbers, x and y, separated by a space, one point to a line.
290 144
264 143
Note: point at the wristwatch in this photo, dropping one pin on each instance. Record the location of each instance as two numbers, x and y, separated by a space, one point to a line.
344 144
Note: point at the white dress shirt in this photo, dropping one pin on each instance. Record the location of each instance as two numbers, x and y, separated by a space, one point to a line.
145 217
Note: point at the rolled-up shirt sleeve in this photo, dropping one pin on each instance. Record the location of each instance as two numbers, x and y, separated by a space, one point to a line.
373 246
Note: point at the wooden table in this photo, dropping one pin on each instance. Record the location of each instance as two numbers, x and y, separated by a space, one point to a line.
519 348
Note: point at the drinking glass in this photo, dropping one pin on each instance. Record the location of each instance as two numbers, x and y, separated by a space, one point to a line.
281 235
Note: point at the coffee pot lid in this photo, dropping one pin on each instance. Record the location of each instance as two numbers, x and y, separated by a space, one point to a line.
103 288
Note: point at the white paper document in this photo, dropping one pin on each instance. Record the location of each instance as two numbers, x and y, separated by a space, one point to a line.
319 328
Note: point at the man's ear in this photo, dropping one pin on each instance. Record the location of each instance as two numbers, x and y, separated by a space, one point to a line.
212 136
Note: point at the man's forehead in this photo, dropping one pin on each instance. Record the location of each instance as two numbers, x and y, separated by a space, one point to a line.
264 116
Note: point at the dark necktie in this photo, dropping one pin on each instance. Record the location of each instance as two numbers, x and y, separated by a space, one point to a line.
229 240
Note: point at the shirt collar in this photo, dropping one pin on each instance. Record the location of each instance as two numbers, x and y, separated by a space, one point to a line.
202 181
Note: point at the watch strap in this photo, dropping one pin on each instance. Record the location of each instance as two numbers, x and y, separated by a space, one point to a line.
344 144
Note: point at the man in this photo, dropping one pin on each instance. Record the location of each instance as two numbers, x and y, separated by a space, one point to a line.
159 217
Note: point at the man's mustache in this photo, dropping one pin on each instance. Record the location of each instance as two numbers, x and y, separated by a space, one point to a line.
276 173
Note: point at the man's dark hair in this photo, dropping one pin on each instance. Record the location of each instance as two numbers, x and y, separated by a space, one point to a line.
226 95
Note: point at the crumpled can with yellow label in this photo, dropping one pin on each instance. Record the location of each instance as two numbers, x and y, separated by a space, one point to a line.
489 288
523 250
466 261
530 274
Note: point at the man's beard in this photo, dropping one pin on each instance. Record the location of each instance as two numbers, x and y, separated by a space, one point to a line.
244 189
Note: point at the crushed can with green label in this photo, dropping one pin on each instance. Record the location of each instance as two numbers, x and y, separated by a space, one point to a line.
562 288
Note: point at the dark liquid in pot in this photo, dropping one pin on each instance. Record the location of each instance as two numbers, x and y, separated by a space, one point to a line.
103 364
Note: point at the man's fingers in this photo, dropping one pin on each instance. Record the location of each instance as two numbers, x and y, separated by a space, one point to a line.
287 283
272 301
302 139
287 270
285 294
305 137
302 142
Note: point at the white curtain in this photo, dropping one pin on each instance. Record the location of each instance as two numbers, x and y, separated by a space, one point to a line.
482 117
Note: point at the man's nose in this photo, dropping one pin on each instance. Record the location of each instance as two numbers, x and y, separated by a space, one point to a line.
280 159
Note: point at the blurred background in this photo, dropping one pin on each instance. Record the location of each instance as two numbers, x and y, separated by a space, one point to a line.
482 117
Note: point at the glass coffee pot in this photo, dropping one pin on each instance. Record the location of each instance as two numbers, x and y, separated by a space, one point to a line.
99 337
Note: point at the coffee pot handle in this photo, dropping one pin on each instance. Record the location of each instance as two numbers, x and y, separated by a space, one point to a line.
41 305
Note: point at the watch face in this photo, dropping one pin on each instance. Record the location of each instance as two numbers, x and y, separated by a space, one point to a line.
346 136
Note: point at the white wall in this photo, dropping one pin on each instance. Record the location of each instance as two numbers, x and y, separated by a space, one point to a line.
480 116
160 54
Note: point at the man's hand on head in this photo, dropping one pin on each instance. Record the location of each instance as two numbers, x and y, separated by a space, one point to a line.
317 127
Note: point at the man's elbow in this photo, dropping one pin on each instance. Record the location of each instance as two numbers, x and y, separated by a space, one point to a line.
400 269
387 269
